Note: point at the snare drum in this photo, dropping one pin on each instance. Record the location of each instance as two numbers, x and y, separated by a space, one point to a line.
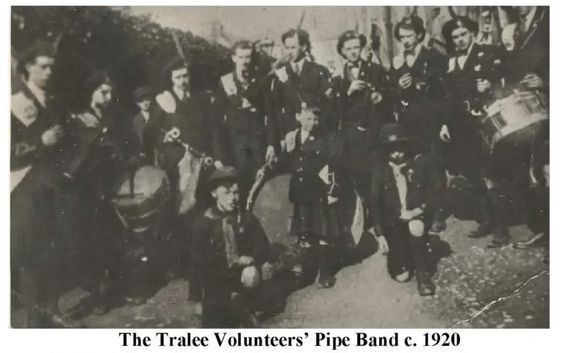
512 114
140 204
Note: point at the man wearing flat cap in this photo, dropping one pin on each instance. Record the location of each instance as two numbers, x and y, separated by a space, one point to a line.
146 123
37 135
401 190
228 249
361 103
473 73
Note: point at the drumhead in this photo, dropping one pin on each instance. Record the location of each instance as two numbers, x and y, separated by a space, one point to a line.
147 181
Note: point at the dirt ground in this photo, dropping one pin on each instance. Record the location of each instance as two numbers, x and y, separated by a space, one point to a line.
476 287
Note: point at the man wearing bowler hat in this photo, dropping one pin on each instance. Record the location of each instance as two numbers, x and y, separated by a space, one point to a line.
228 249
400 207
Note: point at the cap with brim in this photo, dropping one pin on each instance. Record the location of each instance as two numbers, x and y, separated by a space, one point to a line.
223 175
393 134
142 92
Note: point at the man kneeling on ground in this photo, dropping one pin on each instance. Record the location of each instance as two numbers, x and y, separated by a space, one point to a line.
228 248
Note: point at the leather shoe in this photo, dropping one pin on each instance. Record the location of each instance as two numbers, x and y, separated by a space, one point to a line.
425 285
403 277
536 240
497 244
326 280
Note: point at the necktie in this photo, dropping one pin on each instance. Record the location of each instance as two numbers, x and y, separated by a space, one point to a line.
401 182
463 52
297 70
231 250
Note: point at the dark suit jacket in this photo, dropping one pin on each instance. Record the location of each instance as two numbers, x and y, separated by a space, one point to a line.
26 146
461 82
357 110
311 85
147 133
208 247
241 113
531 54
196 120
425 112
385 206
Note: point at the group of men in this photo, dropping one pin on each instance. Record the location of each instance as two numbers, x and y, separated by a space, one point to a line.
392 137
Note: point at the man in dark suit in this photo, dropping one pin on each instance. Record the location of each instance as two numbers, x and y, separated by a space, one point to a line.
528 63
299 77
473 73
191 112
361 104
146 123
401 190
241 110
512 167
417 79
37 134
228 249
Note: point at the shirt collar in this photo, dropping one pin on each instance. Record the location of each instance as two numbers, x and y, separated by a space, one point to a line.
145 115
417 50
298 64
39 93
180 94
469 49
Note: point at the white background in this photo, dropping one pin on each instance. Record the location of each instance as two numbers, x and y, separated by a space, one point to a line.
108 341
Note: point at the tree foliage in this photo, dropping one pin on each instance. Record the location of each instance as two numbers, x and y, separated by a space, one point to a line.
132 49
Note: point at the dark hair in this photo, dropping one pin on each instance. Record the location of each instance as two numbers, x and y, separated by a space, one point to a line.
93 82
411 23
176 63
242 44
455 23
349 35
302 37
30 54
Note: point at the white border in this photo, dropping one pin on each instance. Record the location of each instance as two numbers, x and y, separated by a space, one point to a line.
107 340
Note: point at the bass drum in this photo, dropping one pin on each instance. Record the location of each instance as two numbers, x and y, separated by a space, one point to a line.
143 204
141 198
273 209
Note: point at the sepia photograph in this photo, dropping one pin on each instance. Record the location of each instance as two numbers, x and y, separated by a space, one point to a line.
279 167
